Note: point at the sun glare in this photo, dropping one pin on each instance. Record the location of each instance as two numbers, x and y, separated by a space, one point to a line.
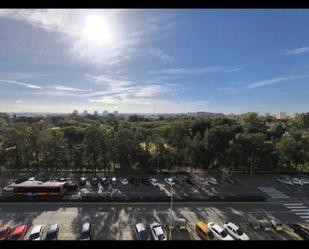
97 30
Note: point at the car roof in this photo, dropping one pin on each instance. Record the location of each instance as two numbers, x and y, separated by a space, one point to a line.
140 227
203 226
232 225
4 227
36 229
86 227
53 228
216 226
158 230
19 229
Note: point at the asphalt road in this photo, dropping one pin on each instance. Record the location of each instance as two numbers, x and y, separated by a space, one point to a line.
115 221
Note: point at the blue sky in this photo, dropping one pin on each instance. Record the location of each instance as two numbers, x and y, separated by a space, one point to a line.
157 61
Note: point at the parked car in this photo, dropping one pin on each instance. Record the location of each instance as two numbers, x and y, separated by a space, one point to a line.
36 233
52 233
82 181
189 181
134 181
86 232
43 179
253 223
203 231
304 181
5 232
297 181
229 180
31 179
20 180
181 223
235 231
140 232
124 181
104 181
286 181
153 181
219 232
276 224
114 181
94 181
169 181
72 186
9 188
300 231
62 179
18 233
145 181
157 231
264 224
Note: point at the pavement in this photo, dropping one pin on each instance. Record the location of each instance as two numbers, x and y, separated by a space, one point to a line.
115 221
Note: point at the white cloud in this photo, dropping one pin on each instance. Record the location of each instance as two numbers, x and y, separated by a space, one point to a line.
129 34
197 71
69 89
33 86
19 101
161 55
295 51
274 81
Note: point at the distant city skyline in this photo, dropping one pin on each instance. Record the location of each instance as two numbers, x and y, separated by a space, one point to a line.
154 61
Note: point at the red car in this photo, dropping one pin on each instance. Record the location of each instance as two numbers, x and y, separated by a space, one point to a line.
18 233
5 232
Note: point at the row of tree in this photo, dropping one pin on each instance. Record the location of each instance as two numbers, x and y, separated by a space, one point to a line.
249 143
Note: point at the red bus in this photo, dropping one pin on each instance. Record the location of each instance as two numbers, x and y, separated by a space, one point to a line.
37 188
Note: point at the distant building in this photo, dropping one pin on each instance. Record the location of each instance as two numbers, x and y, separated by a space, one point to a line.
281 115
105 113
85 113
75 112
295 115
116 113
267 114
95 113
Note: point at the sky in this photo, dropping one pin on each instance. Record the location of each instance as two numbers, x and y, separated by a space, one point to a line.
154 60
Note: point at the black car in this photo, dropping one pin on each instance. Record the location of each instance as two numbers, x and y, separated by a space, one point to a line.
82 181
189 181
94 181
86 232
104 181
146 181
52 233
20 180
134 181
300 231
72 186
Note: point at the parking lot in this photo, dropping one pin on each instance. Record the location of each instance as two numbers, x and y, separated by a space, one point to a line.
116 221
185 185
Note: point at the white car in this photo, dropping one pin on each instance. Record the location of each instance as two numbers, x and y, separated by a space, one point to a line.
36 233
286 181
153 181
235 231
305 181
31 179
140 232
219 232
157 231
124 181
169 181
297 181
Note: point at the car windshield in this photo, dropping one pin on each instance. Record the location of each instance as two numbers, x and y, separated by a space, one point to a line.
239 232
15 237
143 235
161 237
85 234
51 235
223 234
34 236
2 233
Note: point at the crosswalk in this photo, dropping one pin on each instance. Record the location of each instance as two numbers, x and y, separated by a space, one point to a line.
299 209
272 192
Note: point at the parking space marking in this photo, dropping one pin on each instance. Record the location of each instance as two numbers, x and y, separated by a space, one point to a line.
272 192
298 209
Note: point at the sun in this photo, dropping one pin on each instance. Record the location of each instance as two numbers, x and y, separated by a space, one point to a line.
97 30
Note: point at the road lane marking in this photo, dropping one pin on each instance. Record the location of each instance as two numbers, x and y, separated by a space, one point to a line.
291 204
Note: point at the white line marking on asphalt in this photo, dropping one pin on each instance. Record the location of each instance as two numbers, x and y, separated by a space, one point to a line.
291 204
304 217
300 210
303 213
299 207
